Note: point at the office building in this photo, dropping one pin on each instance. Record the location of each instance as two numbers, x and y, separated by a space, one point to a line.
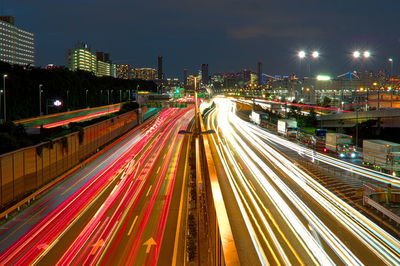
160 74
259 73
145 73
246 75
113 70
124 71
204 74
17 46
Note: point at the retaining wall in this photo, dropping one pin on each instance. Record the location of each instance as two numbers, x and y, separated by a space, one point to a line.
26 170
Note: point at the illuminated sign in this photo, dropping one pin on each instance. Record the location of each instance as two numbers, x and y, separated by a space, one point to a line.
323 77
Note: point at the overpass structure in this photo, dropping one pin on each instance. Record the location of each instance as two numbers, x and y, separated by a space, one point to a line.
388 117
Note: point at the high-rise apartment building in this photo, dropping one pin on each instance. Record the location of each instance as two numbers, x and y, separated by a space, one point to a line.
145 73
17 46
204 74
103 69
246 75
259 73
103 64
82 58
160 74
113 72
124 71
102 56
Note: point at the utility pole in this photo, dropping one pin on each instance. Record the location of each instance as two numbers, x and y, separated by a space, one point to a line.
356 127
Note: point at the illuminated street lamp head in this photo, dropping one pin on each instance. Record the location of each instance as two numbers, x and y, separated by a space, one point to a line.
390 60
302 54
367 54
315 54
356 54
57 103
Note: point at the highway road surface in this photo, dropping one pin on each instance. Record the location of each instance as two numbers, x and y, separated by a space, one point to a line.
64 118
279 213
116 210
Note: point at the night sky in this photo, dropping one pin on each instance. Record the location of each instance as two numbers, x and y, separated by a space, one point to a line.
227 34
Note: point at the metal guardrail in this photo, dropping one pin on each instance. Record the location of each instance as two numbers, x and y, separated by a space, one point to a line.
368 201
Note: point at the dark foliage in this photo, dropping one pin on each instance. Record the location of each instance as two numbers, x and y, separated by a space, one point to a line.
22 88
13 137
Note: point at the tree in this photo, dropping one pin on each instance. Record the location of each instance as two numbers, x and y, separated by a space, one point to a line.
23 83
311 118
326 101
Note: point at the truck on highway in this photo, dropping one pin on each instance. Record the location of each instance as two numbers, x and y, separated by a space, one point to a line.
381 154
341 144
287 127
257 117
318 139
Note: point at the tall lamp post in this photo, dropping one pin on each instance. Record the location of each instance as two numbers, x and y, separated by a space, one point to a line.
67 103
390 60
1 99
303 55
366 55
40 99
314 55
357 126
358 54
87 98
4 90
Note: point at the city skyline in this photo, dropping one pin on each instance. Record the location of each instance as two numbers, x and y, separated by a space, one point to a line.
242 36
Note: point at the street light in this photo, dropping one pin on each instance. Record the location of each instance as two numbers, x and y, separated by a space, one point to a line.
302 54
365 55
67 103
4 90
87 98
315 54
356 54
391 66
1 98
40 99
